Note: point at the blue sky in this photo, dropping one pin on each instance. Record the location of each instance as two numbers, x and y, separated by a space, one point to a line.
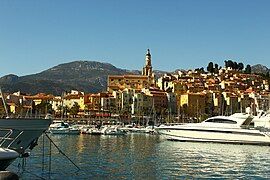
36 35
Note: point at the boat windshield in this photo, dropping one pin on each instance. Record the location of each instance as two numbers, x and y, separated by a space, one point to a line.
216 120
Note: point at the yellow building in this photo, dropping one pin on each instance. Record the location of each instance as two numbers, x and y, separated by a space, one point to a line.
70 99
192 104
142 104
127 81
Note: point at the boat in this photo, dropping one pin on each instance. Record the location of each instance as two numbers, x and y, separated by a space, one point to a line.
91 129
112 130
262 120
219 129
63 128
137 129
22 133
7 156
94 131
17 135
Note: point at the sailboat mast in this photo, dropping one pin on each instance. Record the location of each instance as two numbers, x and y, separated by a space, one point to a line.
4 102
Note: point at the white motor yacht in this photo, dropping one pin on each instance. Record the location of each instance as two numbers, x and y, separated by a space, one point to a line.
63 128
262 120
221 129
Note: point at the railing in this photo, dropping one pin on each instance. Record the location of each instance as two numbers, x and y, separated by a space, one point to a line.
7 137
24 116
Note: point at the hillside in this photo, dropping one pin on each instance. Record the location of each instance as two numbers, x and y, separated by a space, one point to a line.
259 69
88 76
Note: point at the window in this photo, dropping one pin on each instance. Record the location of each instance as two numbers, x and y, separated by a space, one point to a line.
221 121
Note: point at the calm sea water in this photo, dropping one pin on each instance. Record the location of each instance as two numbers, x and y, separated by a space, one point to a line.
143 156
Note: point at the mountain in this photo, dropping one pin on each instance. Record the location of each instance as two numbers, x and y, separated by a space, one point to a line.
87 76
9 78
259 69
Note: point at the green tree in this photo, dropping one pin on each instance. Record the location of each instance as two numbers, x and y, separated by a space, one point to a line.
248 69
216 68
74 109
240 66
226 64
235 65
210 67
44 107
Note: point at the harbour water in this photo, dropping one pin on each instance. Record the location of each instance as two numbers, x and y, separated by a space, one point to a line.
144 156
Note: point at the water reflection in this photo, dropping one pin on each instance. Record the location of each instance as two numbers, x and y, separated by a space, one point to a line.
207 160
142 156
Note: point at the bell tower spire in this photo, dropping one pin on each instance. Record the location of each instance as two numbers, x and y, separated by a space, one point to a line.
147 69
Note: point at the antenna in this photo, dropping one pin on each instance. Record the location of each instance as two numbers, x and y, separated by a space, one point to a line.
4 102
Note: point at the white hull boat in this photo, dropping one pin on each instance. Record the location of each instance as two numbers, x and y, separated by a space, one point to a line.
220 129
63 128
112 130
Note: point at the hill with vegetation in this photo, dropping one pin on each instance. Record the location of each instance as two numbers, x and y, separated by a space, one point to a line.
87 76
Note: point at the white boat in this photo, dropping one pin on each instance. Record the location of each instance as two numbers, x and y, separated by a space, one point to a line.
94 131
63 128
262 120
142 129
220 129
7 156
112 130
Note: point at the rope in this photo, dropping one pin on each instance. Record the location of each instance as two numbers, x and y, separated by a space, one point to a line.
60 151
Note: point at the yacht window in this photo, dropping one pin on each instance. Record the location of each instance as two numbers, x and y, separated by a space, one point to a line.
221 121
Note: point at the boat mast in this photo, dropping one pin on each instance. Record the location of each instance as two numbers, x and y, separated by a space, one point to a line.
4 102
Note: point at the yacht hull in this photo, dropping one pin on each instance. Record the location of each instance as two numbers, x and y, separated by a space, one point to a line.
218 136
22 132
65 131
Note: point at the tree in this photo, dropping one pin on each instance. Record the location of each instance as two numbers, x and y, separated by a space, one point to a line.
226 64
74 109
230 63
216 68
44 107
210 67
235 65
248 69
240 66
66 110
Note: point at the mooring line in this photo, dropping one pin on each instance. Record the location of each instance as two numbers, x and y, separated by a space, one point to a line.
61 151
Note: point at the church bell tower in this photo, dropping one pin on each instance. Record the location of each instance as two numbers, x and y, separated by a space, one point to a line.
147 69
